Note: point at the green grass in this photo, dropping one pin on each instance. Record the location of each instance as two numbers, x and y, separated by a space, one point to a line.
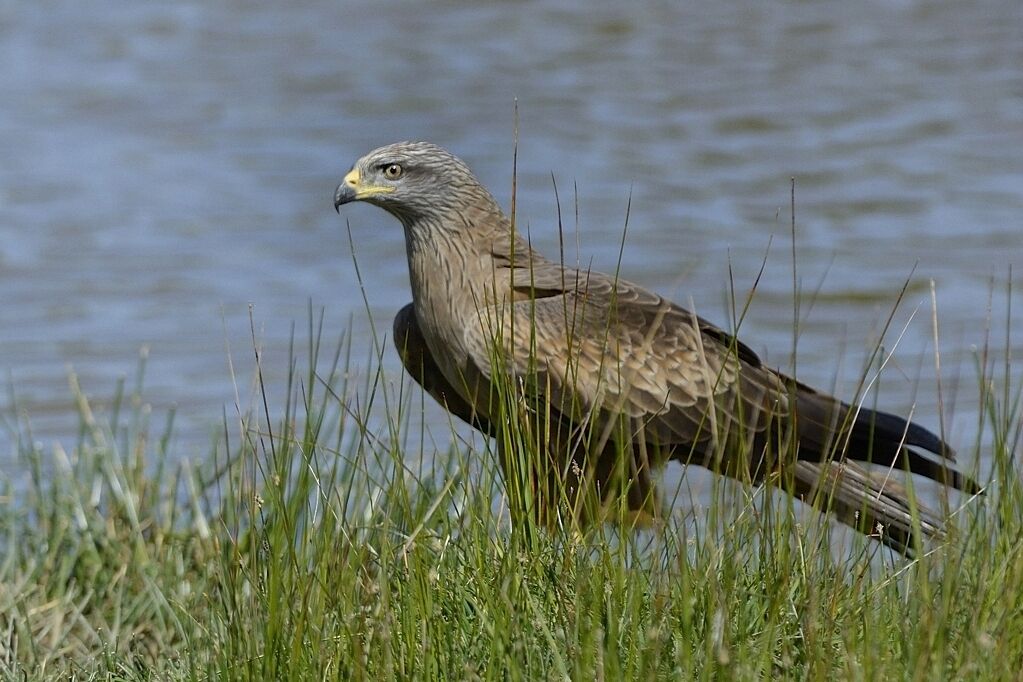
317 547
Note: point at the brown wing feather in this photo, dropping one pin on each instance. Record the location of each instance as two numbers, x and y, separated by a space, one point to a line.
608 347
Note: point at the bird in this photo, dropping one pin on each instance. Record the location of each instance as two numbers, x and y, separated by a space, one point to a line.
590 383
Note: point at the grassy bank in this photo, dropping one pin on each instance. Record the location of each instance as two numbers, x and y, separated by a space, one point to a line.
314 547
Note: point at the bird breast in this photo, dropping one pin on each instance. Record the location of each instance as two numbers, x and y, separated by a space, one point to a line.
447 294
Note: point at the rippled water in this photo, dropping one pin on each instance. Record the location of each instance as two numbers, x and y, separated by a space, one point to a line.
163 166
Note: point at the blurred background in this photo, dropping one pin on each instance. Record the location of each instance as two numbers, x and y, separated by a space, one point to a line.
167 172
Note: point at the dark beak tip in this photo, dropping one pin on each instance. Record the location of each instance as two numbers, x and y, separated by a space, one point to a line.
340 197
344 194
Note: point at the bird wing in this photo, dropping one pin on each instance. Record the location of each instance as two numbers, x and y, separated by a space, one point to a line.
601 348
419 362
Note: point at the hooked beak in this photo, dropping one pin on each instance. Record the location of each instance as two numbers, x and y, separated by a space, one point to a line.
352 188
347 191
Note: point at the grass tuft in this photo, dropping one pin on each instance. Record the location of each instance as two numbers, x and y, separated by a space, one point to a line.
316 546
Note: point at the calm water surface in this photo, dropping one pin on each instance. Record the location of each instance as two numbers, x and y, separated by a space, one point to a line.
166 167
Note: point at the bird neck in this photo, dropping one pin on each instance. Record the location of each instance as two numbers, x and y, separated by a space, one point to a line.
462 227
459 262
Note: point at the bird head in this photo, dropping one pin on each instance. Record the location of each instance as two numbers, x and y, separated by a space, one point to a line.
411 180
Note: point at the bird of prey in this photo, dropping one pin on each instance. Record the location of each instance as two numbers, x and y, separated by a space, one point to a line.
600 381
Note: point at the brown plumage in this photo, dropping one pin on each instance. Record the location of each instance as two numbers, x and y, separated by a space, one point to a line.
613 379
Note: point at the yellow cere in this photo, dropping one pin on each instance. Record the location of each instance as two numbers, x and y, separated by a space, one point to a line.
353 180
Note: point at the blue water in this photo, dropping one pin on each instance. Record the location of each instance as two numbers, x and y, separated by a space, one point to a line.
166 168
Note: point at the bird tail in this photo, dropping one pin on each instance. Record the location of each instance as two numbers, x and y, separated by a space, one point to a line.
836 444
869 501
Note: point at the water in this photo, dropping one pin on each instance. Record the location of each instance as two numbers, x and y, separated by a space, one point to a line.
165 166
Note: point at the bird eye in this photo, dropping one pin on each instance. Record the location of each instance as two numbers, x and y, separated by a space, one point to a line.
393 171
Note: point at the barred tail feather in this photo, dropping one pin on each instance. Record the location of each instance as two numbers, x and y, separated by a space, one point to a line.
869 501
